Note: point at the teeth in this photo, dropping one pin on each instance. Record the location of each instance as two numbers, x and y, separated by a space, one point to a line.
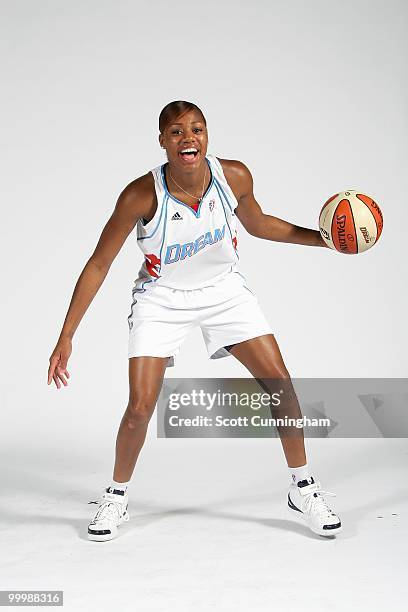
189 151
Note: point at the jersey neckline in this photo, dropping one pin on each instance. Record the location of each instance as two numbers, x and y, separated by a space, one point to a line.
196 213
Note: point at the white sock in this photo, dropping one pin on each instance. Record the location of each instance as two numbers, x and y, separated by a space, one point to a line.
299 473
122 486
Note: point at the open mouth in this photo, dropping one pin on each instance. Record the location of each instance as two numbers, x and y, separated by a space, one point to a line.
189 155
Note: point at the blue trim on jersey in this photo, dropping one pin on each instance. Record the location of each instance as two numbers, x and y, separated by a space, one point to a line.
134 300
242 276
196 214
225 215
158 223
154 280
142 290
164 234
225 196
246 282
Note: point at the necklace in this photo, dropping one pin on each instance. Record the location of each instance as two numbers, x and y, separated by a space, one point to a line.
191 196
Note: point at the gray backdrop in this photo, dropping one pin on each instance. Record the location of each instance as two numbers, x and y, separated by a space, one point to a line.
311 96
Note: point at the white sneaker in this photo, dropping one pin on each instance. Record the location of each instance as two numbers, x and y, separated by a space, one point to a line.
306 501
111 513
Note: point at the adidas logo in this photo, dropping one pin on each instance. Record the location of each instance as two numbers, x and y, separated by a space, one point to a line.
176 216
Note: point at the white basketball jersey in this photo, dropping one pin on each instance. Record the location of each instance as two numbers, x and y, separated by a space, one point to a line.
185 249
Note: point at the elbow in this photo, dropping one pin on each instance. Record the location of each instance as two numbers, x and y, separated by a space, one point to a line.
101 265
256 227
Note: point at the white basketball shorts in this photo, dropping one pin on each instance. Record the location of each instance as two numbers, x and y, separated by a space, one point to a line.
227 313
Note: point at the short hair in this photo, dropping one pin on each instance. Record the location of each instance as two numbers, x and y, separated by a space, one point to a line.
174 110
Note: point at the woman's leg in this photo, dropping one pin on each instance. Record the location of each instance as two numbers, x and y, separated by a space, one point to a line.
305 499
145 381
262 357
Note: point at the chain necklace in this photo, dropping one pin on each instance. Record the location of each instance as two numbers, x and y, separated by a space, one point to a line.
192 196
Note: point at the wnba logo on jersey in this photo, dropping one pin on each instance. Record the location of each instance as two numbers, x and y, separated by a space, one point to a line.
176 252
211 205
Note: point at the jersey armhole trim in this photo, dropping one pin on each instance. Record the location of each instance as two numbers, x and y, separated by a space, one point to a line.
147 226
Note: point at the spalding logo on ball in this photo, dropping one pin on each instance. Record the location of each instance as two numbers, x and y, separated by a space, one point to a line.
350 222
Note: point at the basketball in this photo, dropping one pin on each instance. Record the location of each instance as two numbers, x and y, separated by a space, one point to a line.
350 222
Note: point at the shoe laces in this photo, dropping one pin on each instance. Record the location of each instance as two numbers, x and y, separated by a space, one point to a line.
109 510
315 502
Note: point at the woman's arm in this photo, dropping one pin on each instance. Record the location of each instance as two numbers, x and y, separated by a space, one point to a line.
129 208
255 221
133 203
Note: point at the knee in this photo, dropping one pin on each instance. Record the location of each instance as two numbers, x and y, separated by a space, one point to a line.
279 372
275 367
139 412
275 378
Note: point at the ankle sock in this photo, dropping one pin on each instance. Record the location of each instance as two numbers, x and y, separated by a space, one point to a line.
119 486
299 473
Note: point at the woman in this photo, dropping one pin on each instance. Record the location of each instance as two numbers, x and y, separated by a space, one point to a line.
185 212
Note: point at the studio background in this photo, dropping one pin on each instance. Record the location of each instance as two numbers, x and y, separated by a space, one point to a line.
312 97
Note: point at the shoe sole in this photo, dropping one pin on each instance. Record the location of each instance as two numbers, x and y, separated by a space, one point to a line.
322 532
96 537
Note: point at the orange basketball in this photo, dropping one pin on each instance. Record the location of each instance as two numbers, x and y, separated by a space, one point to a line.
350 222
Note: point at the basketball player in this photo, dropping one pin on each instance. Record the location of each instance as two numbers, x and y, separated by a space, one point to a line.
185 214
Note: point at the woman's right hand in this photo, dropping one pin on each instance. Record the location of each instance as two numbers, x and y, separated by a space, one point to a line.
58 362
